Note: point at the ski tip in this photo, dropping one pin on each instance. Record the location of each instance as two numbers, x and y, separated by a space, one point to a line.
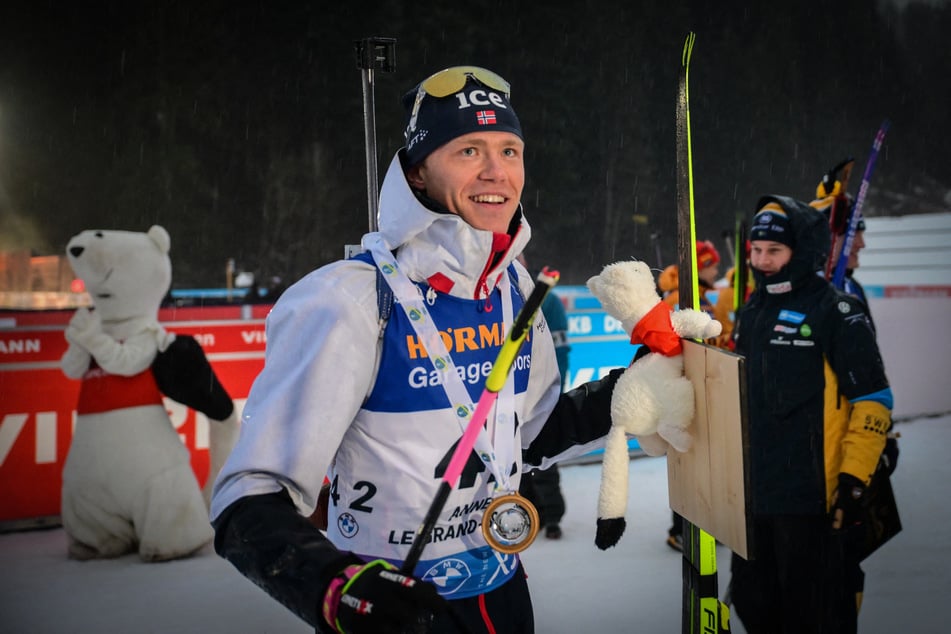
688 48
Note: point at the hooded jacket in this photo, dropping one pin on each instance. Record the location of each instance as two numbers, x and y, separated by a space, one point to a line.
819 400
343 397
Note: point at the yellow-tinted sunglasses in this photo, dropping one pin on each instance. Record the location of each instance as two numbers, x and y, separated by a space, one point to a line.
451 80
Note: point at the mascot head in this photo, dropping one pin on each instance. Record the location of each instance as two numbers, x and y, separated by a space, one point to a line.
126 273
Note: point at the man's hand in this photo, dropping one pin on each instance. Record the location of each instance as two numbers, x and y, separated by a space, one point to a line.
375 598
847 502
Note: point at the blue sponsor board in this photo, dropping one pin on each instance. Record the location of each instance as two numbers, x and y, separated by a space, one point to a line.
598 342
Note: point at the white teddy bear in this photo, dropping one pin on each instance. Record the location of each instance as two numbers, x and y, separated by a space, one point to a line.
128 482
652 400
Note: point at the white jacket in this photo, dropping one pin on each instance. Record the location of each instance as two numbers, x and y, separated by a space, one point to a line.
307 413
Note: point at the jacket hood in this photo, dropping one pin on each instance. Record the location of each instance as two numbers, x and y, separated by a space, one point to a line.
430 242
811 231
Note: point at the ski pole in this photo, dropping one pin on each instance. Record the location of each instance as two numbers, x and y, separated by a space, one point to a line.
729 246
373 53
545 281
741 271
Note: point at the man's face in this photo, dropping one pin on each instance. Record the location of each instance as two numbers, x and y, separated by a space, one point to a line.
768 256
477 176
858 243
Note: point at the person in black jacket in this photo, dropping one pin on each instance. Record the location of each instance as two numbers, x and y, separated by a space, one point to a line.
543 486
818 407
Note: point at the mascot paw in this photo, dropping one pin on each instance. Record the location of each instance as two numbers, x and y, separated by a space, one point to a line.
690 323
653 444
679 438
84 325
609 532
713 329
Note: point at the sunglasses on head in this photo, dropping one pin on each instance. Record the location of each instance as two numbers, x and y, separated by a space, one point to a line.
451 80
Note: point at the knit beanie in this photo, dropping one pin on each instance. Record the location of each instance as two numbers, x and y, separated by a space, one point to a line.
706 254
772 223
433 121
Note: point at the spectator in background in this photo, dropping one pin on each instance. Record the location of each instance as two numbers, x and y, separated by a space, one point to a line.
543 486
835 205
724 307
708 271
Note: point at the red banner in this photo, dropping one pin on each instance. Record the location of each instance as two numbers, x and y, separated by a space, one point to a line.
38 402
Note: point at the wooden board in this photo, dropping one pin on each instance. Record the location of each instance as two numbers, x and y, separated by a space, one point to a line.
708 485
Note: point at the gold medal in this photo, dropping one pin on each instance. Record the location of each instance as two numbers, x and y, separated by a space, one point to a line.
510 523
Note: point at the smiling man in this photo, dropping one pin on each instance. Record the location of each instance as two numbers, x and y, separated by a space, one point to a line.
349 391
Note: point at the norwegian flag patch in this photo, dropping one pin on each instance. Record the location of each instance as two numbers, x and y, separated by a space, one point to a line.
486 117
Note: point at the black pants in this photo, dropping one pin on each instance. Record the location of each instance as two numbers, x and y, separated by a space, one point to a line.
543 489
505 610
797 579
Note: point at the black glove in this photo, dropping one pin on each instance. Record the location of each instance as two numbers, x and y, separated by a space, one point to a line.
375 598
890 454
848 502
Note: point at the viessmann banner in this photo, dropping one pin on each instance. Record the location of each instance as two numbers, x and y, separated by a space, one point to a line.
38 402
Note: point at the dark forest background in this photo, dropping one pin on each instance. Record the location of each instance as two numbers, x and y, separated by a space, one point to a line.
239 125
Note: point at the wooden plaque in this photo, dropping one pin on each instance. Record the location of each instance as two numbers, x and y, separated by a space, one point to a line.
709 484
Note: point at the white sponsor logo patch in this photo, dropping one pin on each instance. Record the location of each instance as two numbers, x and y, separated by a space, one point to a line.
781 287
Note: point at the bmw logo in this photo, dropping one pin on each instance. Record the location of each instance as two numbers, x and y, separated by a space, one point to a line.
448 575
347 524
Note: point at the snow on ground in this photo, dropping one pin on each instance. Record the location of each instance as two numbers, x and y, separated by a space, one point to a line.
634 587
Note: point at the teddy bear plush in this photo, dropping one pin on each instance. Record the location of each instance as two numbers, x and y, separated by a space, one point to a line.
128 483
652 399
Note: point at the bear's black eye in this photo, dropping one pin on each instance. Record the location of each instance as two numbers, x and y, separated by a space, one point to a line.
98 234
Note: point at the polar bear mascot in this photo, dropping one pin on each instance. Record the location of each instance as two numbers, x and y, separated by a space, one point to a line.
128 482
652 400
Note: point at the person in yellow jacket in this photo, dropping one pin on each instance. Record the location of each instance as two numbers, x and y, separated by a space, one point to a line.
835 203
818 406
